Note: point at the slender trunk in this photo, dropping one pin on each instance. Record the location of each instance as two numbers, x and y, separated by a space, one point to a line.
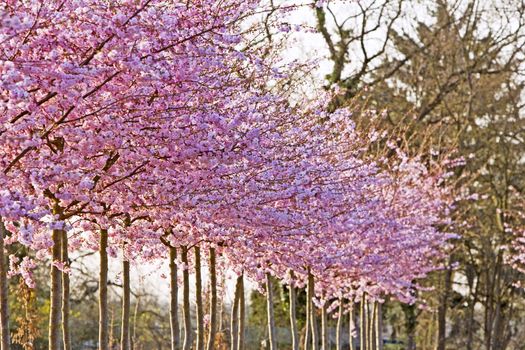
213 301
372 329
220 305
4 302
313 318
56 293
499 339
198 299
308 326
221 312
188 332
339 329
351 326
66 334
499 326
489 292
379 325
410 324
112 329
174 301
363 324
474 292
442 311
234 320
293 314
324 327
126 305
135 316
103 338
242 316
271 318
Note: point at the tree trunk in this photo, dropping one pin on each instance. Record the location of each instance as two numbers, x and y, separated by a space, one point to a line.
4 302
103 337
313 318
489 299
499 340
471 313
410 325
126 304
351 326
55 293
188 332
379 325
220 305
198 299
442 311
371 328
66 334
499 313
111 340
339 329
325 345
135 316
271 318
234 320
308 326
242 316
293 314
363 324
213 301
174 301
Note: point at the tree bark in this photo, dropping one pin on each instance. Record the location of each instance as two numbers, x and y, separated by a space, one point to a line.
410 324
325 345
308 326
4 302
313 318
371 328
293 314
198 298
111 340
103 337
135 316
188 332
339 329
474 293
489 299
174 301
55 293
66 334
221 313
363 324
351 325
271 317
499 313
213 301
379 325
442 311
234 319
242 316
126 305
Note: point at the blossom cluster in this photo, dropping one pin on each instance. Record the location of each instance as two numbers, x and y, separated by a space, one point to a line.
144 118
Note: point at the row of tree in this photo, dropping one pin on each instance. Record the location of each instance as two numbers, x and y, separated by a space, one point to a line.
155 130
